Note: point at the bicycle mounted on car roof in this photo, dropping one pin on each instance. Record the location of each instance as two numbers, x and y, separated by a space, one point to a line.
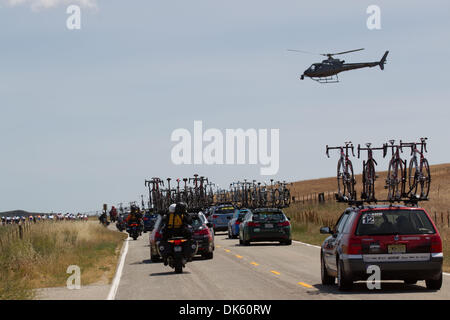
345 176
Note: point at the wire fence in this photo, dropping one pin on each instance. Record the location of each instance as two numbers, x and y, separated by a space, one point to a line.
318 197
12 232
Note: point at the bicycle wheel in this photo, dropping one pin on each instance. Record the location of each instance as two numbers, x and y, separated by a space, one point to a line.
413 174
370 180
286 198
254 198
349 181
340 179
424 179
276 198
394 186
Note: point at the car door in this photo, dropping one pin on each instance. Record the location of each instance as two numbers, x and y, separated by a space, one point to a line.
331 245
243 224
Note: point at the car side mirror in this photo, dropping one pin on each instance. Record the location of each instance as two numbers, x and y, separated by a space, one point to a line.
326 230
289 218
209 225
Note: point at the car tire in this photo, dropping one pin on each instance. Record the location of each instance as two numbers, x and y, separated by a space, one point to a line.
208 255
344 282
241 242
410 281
433 284
287 243
326 279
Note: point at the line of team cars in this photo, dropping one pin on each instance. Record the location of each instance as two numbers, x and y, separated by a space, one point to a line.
249 225
401 240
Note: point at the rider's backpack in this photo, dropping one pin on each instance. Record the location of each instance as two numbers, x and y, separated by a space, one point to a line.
175 220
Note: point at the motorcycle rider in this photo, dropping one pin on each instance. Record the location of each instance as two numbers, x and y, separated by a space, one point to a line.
103 218
177 223
136 217
113 214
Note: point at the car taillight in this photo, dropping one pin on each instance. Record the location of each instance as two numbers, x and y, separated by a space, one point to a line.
202 232
145 219
436 244
158 235
354 246
215 216
284 224
253 224
177 242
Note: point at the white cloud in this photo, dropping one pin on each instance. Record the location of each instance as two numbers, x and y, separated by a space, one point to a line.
48 4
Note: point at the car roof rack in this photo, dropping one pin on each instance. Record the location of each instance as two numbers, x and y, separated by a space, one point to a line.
407 201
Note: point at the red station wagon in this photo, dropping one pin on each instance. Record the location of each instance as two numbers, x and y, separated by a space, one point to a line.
402 241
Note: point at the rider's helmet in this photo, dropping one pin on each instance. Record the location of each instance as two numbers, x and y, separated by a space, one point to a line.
172 208
181 207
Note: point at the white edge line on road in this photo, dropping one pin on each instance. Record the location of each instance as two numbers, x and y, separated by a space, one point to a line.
306 244
311 245
118 275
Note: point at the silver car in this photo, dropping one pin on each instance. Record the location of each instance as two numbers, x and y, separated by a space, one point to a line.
221 215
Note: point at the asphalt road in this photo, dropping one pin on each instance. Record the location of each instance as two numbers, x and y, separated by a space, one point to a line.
260 271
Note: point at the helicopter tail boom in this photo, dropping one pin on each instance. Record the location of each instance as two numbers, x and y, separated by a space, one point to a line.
383 60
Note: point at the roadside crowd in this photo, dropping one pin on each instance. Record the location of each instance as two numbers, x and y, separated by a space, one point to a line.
45 217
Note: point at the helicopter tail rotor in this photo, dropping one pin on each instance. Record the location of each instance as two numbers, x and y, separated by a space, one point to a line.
383 60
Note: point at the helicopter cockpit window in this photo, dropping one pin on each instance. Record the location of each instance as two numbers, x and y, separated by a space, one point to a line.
313 67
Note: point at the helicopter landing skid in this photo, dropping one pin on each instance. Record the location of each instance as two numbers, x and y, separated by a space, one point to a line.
332 79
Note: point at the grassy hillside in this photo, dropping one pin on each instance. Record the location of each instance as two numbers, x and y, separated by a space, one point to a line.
40 256
307 215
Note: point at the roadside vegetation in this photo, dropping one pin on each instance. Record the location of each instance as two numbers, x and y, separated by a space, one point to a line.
38 256
308 215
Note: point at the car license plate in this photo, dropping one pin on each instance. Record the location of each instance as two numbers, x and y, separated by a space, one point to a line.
256 230
178 249
269 225
396 248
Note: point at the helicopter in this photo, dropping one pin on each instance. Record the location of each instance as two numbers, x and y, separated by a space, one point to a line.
327 70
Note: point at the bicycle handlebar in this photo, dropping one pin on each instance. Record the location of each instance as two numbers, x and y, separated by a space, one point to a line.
348 145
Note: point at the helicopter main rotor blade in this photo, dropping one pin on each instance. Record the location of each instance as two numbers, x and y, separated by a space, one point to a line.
302 51
334 54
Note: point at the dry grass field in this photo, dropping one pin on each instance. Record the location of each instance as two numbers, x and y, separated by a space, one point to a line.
307 215
40 257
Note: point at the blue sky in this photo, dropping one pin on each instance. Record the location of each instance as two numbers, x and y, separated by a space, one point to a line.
87 115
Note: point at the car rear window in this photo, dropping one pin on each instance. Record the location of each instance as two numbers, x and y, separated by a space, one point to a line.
386 222
268 216
196 222
224 210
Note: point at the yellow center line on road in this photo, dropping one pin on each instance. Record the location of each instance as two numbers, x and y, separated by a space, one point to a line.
305 285
226 250
254 263
238 256
219 246
275 272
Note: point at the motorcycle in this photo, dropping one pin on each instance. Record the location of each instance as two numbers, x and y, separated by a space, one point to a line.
120 225
133 230
177 251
